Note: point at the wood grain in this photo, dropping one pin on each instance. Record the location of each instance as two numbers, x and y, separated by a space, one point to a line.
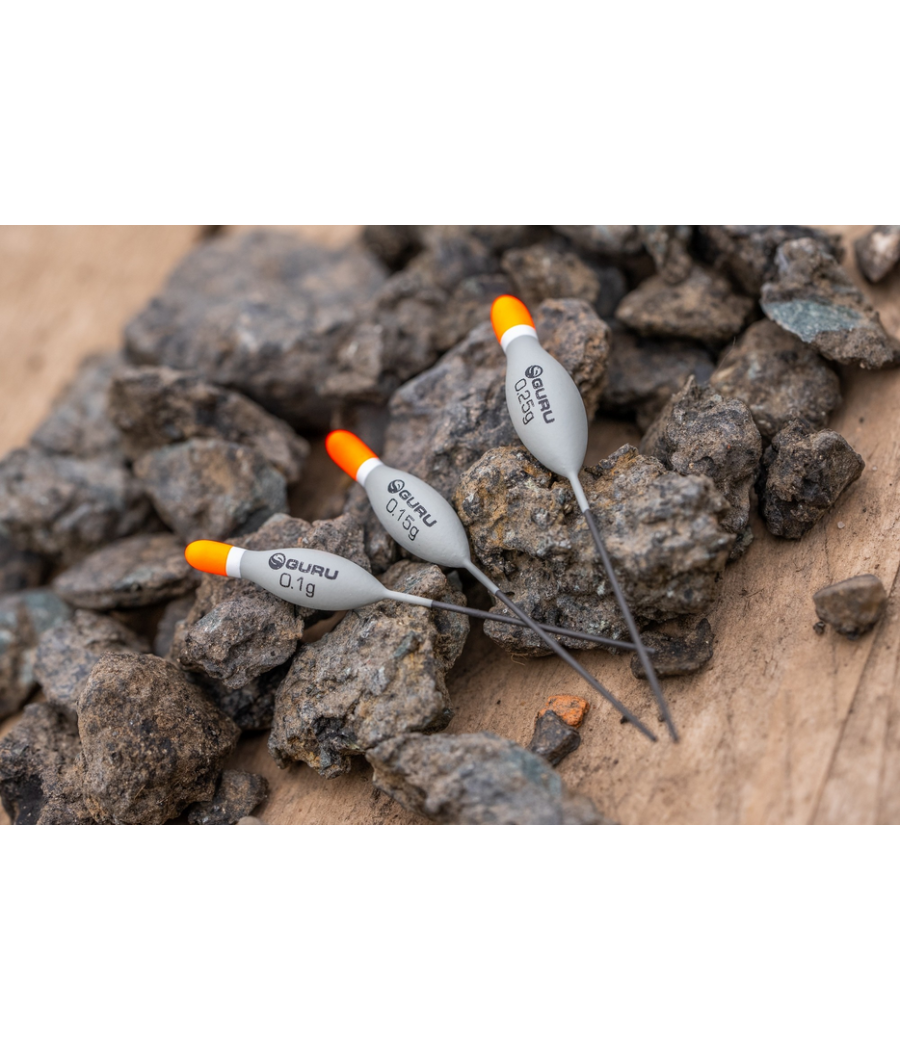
784 726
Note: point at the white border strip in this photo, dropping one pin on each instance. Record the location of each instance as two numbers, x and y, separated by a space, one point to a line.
365 469
233 562
515 332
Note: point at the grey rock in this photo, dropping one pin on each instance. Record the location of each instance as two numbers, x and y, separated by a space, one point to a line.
779 378
68 652
19 569
445 419
24 617
476 778
176 611
261 313
814 298
134 572
393 245
236 631
668 247
676 654
804 474
379 673
153 407
153 743
468 306
40 769
608 241
78 424
252 705
553 739
663 533
852 606
643 374
700 432
542 272
394 340
702 307
237 795
449 258
746 254
209 489
64 507
878 252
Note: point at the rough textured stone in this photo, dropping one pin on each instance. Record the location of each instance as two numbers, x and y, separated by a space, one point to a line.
174 613
663 533
209 489
468 306
476 778
553 738
237 795
252 705
137 571
779 378
804 474
68 651
377 674
497 239
65 507
394 245
78 424
814 298
19 569
153 407
152 742
643 374
747 253
609 241
676 654
262 313
542 272
449 258
40 769
236 631
878 252
668 247
394 340
445 419
852 606
701 307
700 432
24 617
571 709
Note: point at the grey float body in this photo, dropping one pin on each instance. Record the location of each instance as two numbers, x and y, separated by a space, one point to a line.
319 580
545 406
316 579
418 518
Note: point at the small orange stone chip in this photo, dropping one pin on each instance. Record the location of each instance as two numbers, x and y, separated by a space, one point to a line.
571 709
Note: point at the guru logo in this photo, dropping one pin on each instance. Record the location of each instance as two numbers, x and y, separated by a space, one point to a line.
398 488
277 560
534 398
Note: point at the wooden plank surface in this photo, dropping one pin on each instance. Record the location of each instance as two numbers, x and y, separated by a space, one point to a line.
783 726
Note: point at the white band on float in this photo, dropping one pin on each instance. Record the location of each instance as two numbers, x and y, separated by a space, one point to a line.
515 332
366 469
233 562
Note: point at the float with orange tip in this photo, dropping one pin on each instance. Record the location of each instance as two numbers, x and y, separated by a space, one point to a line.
319 580
549 416
419 518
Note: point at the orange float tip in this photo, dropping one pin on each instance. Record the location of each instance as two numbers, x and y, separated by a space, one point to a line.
508 312
208 556
348 451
